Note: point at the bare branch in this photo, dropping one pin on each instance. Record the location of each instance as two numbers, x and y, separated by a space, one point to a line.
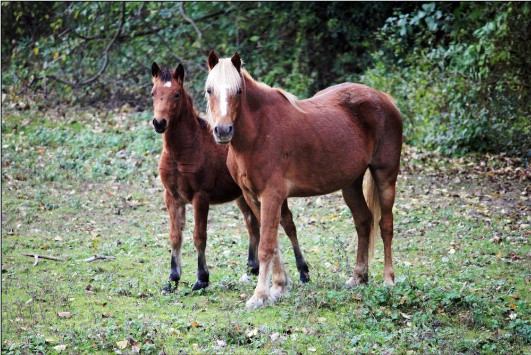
39 257
98 257
105 60
191 22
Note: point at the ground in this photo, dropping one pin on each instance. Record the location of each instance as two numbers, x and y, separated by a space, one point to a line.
78 183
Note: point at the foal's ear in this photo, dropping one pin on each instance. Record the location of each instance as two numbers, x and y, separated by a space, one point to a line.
179 73
212 60
155 70
236 61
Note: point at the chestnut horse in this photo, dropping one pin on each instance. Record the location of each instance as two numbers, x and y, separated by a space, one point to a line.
193 170
280 147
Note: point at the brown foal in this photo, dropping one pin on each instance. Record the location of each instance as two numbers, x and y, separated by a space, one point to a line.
193 170
281 147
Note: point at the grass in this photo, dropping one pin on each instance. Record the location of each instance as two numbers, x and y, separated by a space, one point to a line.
79 183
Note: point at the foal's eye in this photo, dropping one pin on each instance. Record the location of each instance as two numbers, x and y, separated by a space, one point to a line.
177 95
152 94
239 91
209 91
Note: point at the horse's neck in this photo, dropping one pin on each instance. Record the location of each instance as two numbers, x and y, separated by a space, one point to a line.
182 140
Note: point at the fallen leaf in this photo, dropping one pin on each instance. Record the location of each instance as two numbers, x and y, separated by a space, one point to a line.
407 316
64 315
253 332
312 349
136 347
194 324
59 348
122 344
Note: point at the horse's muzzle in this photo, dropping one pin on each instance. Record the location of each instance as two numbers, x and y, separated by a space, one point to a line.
223 133
160 127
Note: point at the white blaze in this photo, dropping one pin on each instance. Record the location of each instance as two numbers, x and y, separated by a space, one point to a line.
168 84
224 101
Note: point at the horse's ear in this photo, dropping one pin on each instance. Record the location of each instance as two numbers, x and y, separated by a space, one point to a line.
236 61
179 73
212 60
155 70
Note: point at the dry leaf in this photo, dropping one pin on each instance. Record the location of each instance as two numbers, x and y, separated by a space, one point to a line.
122 344
59 348
64 314
136 347
407 316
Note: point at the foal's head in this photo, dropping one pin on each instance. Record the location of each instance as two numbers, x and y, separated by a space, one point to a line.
224 87
168 95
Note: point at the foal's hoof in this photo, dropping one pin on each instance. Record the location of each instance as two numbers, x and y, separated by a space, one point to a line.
254 270
355 281
169 288
305 276
199 285
256 302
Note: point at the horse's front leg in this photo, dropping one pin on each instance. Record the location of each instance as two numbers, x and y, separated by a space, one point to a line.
176 210
201 203
269 254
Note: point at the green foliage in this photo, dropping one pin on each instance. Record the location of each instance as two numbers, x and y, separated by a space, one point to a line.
461 74
458 70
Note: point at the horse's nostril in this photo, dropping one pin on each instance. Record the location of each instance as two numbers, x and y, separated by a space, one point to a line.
230 129
159 126
216 130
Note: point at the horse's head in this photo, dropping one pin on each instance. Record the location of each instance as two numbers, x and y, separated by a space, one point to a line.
224 87
168 95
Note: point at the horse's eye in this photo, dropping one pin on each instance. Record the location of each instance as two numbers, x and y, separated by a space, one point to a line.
152 94
209 91
239 91
177 95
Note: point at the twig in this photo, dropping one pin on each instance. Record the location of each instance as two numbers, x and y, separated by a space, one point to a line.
191 22
39 257
99 257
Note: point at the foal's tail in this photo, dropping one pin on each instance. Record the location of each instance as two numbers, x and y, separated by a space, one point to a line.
371 197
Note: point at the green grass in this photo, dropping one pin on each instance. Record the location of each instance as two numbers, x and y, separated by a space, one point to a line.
75 184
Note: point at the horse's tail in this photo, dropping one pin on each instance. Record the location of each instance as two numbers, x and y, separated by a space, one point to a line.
371 197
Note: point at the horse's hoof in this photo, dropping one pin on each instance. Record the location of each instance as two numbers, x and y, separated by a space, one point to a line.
168 288
199 286
256 302
277 292
254 270
245 278
389 281
305 276
355 281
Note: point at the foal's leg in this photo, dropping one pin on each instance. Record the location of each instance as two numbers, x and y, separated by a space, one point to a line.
268 254
286 220
353 196
386 182
176 210
253 227
201 203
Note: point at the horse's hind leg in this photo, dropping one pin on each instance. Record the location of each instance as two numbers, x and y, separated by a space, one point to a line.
385 180
353 196
176 210
253 227
286 220
201 204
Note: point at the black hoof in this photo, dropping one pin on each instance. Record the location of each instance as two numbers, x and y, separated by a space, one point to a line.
305 276
254 270
169 288
199 285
